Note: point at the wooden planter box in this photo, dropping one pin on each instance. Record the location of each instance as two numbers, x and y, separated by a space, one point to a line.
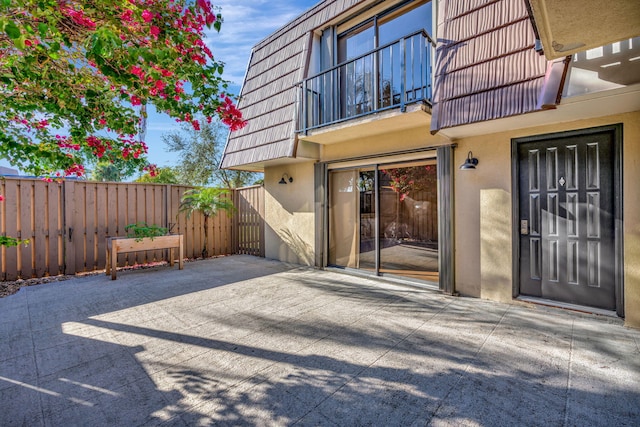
117 245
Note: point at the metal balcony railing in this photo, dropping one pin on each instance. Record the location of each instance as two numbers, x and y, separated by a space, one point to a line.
391 76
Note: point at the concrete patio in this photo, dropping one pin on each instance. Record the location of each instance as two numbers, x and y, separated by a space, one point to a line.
247 341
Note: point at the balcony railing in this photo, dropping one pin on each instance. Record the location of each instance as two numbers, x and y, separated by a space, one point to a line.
390 76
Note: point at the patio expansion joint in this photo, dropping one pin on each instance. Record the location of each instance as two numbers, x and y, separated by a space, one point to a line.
569 377
33 355
468 366
357 374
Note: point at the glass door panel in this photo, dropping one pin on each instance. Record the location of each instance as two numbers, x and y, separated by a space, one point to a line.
352 219
409 220
366 187
343 223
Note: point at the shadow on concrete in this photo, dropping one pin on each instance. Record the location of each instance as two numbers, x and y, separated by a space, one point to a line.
246 341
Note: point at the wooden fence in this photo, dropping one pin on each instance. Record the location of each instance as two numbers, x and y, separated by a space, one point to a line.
67 223
249 221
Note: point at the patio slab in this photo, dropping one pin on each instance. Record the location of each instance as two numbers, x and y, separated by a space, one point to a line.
246 341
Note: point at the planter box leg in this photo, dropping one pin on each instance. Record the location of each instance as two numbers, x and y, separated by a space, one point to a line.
114 263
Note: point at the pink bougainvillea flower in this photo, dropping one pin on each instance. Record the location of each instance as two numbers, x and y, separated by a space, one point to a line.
1 198
75 169
137 71
126 15
231 115
152 169
195 124
155 31
135 100
78 17
147 16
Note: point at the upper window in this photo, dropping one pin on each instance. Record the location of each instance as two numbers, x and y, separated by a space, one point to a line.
383 28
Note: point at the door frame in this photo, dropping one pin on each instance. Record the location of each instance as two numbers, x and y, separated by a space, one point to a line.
616 130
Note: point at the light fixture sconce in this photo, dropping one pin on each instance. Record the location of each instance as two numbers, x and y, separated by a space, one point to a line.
285 178
470 163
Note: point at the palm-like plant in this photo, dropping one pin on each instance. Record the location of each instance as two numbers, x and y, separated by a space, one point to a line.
209 201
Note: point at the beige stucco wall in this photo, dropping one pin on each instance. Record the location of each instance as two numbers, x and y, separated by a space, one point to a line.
289 214
483 242
384 143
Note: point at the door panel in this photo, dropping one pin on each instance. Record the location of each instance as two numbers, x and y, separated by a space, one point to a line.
566 219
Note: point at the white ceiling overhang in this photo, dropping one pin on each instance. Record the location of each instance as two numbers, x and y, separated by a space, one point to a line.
569 26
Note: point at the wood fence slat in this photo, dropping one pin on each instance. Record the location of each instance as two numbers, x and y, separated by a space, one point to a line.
157 255
41 228
102 223
80 222
26 230
69 248
56 214
141 210
12 210
91 225
132 217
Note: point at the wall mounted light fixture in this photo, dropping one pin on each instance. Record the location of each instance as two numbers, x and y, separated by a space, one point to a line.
470 163
285 178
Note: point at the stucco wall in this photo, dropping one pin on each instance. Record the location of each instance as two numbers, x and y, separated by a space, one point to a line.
483 243
289 214
384 143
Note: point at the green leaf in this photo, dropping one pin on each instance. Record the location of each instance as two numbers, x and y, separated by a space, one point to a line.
6 3
12 30
43 28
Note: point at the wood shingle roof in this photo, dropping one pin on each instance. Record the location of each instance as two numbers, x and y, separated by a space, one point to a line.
486 65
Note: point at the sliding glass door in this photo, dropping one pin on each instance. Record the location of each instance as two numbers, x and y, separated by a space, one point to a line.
387 224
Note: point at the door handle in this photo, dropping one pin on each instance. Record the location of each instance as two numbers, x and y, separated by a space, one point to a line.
524 227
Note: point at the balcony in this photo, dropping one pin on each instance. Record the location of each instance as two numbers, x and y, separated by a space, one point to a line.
389 77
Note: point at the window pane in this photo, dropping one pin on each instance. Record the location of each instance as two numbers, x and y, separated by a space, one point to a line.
402 23
355 43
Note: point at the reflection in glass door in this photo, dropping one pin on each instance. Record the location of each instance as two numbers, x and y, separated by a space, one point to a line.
409 220
402 233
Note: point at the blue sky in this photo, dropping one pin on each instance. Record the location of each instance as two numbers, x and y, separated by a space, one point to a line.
246 22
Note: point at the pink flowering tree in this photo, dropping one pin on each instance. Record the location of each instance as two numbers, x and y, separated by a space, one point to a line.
76 77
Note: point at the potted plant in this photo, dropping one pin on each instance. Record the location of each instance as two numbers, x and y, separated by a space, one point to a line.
209 201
